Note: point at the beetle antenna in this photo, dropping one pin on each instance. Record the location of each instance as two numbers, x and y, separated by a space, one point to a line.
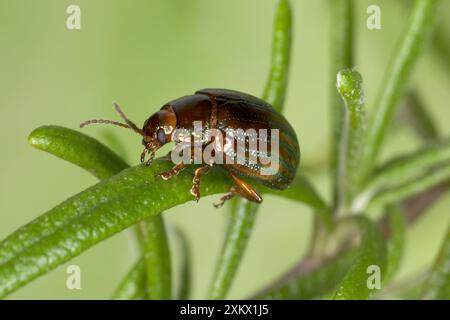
130 123
101 121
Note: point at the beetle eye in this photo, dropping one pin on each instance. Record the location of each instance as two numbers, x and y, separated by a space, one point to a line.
161 136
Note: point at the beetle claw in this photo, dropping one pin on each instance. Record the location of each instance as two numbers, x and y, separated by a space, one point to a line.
164 175
225 198
218 204
195 192
150 150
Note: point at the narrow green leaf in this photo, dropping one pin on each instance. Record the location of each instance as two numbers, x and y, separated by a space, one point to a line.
341 58
92 216
420 184
414 113
396 240
406 175
90 154
372 252
239 229
184 289
78 149
243 212
349 86
392 88
156 256
96 158
406 168
276 85
133 285
315 284
437 286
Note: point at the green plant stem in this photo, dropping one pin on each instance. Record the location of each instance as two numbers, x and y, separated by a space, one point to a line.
156 255
96 158
276 85
349 86
406 168
341 58
418 27
396 239
184 289
238 233
403 191
243 215
243 212
133 285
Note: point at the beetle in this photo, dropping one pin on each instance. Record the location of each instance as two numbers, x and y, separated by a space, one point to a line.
222 110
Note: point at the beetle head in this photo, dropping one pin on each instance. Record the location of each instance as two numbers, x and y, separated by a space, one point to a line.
157 131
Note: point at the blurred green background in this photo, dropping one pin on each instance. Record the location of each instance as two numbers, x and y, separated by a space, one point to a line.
145 53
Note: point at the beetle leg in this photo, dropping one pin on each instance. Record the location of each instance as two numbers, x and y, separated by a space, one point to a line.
245 190
227 196
242 189
195 190
166 175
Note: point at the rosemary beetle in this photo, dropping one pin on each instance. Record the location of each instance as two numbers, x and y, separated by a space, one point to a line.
243 135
